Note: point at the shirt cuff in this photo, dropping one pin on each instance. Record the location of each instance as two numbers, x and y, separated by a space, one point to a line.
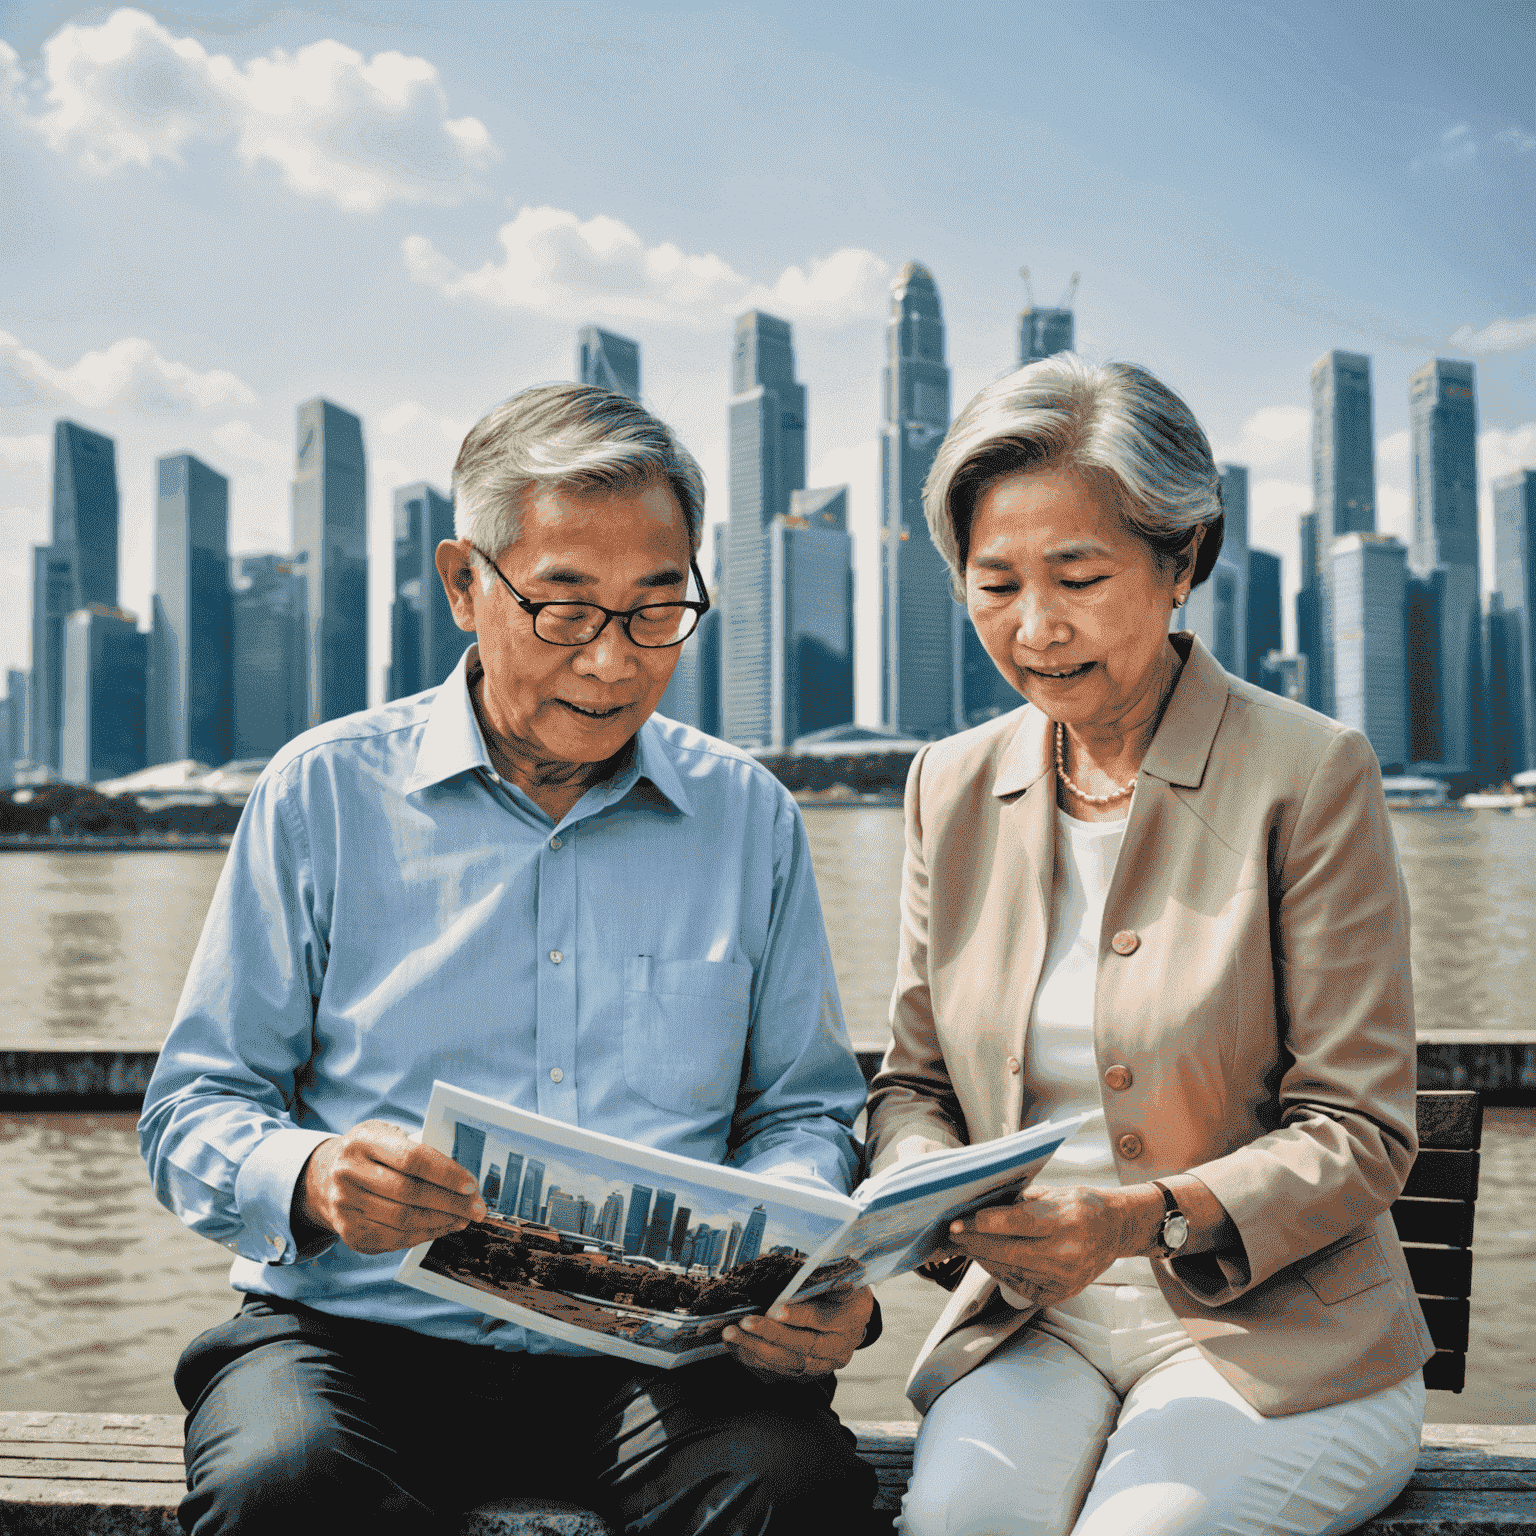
264 1197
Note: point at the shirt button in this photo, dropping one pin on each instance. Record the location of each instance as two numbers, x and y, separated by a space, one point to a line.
554 842
1129 1145
1118 1077
556 956
1013 1065
1126 942
556 1075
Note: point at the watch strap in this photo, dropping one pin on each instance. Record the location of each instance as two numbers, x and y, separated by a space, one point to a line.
1170 1210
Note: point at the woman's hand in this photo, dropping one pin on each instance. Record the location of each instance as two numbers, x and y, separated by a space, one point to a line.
803 1338
1049 1244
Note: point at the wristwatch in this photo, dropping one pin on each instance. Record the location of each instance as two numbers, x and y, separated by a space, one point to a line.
1174 1231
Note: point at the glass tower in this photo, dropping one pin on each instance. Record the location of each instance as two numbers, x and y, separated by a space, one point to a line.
609 361
1370 643
104 665
468 1148
1263 623
533 1191
918 623
424 641
767 463
1343 486
693 693
190 640
1514 565
270 653
330 541
811 584
77 568
1217 609
1442 410
752 1236
1043 333
638 1219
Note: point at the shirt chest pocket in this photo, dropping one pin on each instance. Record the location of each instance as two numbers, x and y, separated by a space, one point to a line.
685 1031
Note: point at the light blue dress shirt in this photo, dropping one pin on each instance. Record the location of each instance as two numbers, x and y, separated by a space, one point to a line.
654 966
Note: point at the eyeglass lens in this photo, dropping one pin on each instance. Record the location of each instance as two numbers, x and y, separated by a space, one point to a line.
659 624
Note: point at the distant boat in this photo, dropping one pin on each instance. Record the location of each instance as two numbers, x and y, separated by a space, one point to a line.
1492 800
1407 793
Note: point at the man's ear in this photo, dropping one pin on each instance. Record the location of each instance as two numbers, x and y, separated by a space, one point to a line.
455 566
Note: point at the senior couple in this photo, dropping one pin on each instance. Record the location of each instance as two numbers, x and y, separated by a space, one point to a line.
1152 889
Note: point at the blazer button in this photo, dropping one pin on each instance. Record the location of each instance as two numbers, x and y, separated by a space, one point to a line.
1013 1065
1118 1077
1130 1145
1126 942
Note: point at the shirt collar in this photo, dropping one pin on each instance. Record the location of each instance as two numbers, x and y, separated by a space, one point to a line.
1179 750
452 743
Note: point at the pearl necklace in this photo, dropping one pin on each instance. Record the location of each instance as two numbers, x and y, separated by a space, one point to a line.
1082 794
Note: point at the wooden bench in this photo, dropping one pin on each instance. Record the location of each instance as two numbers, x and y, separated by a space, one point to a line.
110 1473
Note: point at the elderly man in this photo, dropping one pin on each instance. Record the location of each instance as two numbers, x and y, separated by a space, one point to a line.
521 883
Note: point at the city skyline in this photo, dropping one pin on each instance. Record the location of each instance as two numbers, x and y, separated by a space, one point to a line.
415 278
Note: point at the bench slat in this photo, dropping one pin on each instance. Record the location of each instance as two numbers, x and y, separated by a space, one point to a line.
18 1492
1445 1371
1450 1118
74 1450
1439 1271
1424 1512
1434 1221
93 1428
1443 1175
60 1469
1449 1319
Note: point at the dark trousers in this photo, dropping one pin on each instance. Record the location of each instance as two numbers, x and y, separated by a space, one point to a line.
298 1421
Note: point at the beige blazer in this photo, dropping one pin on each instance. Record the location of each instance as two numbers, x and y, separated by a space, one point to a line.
1253 985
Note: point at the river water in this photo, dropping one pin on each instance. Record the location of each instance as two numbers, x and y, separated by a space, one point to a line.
100 1287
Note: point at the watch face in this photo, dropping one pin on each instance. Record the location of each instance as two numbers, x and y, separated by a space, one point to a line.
1175 1232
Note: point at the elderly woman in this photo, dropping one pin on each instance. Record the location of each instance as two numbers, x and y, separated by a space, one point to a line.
1159 891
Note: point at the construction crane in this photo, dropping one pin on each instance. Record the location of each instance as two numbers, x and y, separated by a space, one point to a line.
1029 292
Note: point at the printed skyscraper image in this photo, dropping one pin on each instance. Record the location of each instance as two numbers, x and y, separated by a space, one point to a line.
1442 408
78 566
767 463
1514 635
190 640
1343 487
811 580
609 361
917 621
424 641
330 542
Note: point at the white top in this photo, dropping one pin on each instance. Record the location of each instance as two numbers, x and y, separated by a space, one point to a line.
1059 1063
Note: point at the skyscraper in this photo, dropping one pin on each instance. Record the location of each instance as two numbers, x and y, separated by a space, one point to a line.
330 542
190 640
1514 566
752 1237
610 1225
638 1220
1369 643
565 1211
693 694
1263 622
270 654
609 361
424 641
1043 333
79 567
1343 484
468 1148
811 584
1309 602
529 1202
1442 410
658 1235
104 663
1421 624
679 1232
511 1184
1217 609
18 682
767 459
981 692
918 627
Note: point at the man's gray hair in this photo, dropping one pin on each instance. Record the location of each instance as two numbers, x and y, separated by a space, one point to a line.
1113 423
564 437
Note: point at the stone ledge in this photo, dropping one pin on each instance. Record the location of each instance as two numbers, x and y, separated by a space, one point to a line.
1472 1480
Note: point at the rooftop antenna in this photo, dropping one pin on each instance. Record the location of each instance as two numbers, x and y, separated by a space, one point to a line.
1071 293
1029 292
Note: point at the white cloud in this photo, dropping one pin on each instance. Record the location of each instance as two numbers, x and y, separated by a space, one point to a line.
1392 455
1496 336
410 419
361 132
1502 452
128 373
1276 436
24 453
1516 139
554 263
240 440
1457 145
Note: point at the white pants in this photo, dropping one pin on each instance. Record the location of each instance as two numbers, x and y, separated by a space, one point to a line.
1101 1418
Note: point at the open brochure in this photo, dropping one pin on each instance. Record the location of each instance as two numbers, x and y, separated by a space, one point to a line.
650 1256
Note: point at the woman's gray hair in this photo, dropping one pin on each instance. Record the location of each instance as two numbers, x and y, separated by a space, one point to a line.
1113 423
565 437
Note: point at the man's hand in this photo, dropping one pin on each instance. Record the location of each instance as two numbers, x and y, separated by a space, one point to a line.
379 1191
803 1338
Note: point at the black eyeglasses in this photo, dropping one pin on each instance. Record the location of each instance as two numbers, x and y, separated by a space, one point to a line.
653 627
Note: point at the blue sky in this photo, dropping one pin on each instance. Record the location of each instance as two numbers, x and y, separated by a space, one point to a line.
214 212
